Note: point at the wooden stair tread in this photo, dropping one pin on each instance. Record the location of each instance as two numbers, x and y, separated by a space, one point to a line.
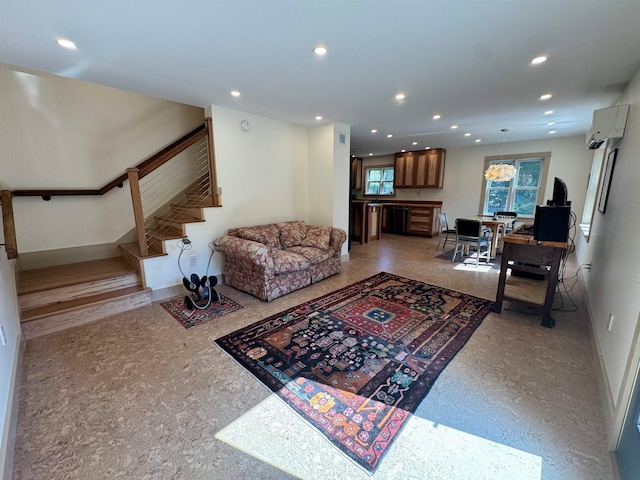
180 218
169 233
134 250
39 312
37 280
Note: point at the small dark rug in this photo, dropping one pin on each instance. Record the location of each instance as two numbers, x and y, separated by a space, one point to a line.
193 318
470 259
355 363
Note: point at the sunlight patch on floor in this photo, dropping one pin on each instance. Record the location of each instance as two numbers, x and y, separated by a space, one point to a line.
471 267
275 434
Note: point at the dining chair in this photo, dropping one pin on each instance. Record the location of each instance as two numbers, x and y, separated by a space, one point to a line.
445 231
469 234
507 216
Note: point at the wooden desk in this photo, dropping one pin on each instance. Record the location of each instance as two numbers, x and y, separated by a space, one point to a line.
533 257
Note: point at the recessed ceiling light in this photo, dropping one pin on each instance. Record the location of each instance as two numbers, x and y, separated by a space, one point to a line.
437 116
548 112
400 96
374 130
414 143
318 117
468 134
403 150
371 154
320 50
235 93
427 148
66 43
389 135
551 123
478 140
552 132
546 96
539 60
454 127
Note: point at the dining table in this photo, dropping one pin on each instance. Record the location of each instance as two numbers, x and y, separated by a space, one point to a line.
495 224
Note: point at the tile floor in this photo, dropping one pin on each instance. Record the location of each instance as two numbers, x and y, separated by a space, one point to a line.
138 396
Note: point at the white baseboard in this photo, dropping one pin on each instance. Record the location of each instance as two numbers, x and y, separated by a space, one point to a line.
7 448
614 410
174 290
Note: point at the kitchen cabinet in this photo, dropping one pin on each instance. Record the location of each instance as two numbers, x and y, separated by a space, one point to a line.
356 173
420 169
374 222
423 220
366 221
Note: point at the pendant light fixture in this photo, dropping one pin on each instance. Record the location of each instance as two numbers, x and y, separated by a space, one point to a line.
501 172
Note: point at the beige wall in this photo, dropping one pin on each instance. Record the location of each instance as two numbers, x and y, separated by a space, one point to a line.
613 284
328 180
10 323
274 172
464 169
62 133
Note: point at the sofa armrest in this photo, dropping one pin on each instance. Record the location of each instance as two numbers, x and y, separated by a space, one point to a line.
256 253
338 237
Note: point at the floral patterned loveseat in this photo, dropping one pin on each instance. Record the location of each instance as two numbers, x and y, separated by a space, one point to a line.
271 260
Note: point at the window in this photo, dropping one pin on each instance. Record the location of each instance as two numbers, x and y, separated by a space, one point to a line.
379 180
592 192
523 192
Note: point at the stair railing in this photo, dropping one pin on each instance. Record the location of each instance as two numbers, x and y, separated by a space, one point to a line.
193 152
8 225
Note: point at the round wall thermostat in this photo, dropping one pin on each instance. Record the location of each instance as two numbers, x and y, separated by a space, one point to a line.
244 125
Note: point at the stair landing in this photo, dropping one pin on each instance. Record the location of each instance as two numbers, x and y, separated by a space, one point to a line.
60 297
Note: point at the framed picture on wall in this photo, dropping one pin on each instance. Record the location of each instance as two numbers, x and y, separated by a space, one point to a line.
606 180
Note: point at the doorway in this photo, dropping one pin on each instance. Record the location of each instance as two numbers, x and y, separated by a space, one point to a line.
628 452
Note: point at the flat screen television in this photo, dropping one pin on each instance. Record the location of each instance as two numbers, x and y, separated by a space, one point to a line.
559 198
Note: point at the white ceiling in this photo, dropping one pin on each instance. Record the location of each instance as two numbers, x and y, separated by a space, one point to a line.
467 60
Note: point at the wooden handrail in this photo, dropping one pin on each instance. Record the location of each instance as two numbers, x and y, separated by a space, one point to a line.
145 168
8 225
132 174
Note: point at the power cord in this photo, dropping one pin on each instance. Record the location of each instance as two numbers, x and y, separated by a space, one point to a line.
201 288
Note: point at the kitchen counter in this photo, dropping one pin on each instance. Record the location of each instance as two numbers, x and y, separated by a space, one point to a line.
370 218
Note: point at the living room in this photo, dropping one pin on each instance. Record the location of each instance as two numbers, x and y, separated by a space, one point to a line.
281 171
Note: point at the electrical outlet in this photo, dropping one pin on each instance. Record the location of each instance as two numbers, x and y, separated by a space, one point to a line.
610 324
193 260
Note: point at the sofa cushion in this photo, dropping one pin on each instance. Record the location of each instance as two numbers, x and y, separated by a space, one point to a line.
286 261
313 254
268 235
292 233
317 237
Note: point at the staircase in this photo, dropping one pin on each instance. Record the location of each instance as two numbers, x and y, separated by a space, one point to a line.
56 298
60 297
165 197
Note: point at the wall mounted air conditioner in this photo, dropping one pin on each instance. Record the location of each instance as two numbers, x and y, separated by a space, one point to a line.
607 123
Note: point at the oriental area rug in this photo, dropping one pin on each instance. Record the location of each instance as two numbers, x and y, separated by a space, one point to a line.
355 363
192 318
